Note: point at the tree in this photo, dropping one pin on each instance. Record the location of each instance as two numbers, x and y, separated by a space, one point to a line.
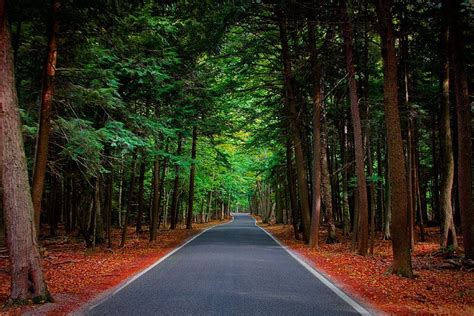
156 198
42 145
192 175
27 281
363 229
317 107
294 126
448 234
174 202
464 129
396 161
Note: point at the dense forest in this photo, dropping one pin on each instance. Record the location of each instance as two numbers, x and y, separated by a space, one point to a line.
326 115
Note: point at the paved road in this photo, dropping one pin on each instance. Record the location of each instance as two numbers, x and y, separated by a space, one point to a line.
232 269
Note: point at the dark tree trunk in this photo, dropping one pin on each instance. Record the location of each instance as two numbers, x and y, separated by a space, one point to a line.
42 142
398 185
108 207
373 197
141 190
174 200
434 154
388 201
191 180
326 187
27 281
292 189
464 133
346 216
363 230
317 106
130 199
156 197
297 138
448 233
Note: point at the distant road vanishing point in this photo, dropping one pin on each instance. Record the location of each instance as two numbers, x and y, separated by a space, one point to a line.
231 269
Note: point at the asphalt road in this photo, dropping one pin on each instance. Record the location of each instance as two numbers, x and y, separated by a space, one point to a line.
231 269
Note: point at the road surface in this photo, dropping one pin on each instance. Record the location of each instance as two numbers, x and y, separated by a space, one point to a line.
231 269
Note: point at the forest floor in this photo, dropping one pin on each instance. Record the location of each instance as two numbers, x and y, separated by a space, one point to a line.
76 275
439 287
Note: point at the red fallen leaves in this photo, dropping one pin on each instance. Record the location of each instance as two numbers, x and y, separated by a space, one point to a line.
434 290
75 276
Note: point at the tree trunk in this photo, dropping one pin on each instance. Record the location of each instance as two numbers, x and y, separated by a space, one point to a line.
130 199
294 127
191 180
380 190
373 197
27 281
388 201
363 230
42 142
448 234
434 155
464 134
108 205
120 193
141 190
156 197
317 106
292 189
326 187
398 185
346 216
174 200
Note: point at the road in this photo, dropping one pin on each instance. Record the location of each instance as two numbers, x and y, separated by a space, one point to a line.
231 269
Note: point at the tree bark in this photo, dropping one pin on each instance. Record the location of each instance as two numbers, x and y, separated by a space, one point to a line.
326 187
363 230
174 199
400 225
294 127
191 180
130 199
448 233
108 207
464 134
42 142
27 281
346 216
141 191
317 106
292 189
156 197
388 201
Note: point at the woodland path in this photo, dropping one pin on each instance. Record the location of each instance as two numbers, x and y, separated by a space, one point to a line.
231 269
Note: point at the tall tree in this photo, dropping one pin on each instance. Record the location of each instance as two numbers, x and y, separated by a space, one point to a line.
448 235
363 229
175 197
42 141
131 191
400 230
296 136
192 174
317 105
155 212
27 281
464 129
